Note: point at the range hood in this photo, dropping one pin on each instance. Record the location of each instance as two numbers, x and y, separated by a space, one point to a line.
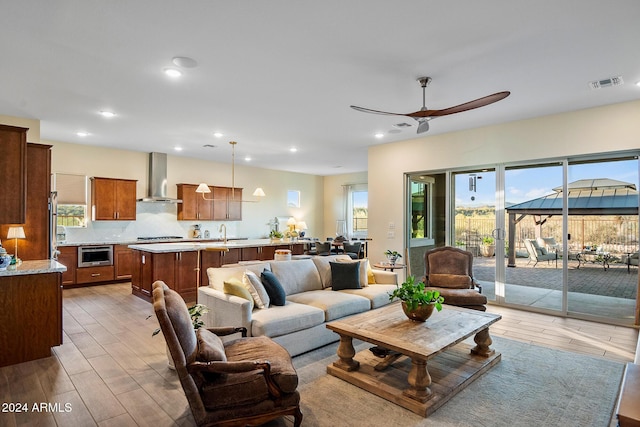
157 190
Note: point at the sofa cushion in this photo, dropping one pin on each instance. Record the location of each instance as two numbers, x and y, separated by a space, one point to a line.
210 347
297 276
461 297
378 295
345 275
217 276
453 281
273 287
334 304
363 270
235 287
255 287
324 268
282 320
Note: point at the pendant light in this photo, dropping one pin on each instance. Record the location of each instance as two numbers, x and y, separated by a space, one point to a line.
203 188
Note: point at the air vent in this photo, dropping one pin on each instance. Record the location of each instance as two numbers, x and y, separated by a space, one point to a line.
209 146
609 82
402 125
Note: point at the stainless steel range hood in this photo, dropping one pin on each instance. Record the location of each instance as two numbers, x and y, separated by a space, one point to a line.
157 190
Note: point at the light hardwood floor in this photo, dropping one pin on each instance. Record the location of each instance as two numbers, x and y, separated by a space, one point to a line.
110 371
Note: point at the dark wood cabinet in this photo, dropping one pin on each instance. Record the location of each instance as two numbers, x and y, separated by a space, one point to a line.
227 204
13 167
31 316
194 206
177 269
113 199
68 257
36 223
86 275
123 262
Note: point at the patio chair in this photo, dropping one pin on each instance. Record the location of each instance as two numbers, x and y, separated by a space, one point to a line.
449 270
246 381
631 259
538 253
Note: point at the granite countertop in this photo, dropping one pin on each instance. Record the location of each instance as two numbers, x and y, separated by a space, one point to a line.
35 267
195 246
127 242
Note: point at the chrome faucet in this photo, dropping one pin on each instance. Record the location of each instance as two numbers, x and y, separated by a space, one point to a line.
223 227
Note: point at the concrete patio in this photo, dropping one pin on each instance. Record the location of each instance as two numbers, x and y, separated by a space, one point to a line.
594 291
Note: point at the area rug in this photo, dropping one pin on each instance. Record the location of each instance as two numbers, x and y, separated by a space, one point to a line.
531 386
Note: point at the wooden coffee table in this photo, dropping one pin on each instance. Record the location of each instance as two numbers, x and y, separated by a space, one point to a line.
406 381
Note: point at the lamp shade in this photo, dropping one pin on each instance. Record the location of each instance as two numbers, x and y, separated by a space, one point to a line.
301 225
203 188
259 192
291 221
16 233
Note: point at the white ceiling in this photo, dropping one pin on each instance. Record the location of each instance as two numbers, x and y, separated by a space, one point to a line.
278 74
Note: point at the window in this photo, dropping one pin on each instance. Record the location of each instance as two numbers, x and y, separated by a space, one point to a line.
357 211
72 199
293 198
421 221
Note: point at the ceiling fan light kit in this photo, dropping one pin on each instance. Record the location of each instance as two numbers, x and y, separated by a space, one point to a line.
203 188
424 115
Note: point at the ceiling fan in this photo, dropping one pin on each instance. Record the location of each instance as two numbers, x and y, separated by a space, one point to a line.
423 115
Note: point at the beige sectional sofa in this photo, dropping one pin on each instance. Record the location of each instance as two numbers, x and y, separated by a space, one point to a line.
298 325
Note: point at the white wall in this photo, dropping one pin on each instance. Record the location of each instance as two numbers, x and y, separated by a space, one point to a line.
597 130
160 219
33 134
334 199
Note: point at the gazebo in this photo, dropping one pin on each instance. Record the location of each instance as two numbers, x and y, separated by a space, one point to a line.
601 196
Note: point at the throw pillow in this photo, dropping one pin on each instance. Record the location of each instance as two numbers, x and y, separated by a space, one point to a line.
256 289
210 346
235 287
363 269
345 275
371 278
454 281
273 287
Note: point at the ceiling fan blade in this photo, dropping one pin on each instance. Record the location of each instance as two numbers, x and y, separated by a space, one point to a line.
476 103
367 110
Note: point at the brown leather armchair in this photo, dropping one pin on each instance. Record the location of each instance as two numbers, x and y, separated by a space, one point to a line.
246 381
450 271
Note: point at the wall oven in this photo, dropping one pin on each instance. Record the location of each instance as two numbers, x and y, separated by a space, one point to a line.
91 256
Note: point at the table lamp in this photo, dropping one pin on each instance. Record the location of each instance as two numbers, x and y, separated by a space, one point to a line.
16 233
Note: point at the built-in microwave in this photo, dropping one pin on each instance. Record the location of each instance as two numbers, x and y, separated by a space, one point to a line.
91 256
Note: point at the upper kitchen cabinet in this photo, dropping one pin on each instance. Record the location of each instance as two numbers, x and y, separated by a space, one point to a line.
193 206
113 199
227 204
13 164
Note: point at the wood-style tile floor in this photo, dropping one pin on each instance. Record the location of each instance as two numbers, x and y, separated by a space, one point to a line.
110 371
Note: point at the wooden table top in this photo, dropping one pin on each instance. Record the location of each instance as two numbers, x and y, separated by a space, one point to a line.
390 328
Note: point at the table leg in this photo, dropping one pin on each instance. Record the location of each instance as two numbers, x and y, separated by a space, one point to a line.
346 353
419 381
483 341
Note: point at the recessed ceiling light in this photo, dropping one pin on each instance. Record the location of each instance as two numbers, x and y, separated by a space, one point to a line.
82 134
172 72
218 135
184 62
638 83
247 159
293 149
107 114
177 148
379 135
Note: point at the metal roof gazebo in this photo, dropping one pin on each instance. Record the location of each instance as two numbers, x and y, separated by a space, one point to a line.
601 196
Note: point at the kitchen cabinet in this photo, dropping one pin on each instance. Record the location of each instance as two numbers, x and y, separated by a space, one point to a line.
218 259
177 269
36 222
68 257
123 262
13 164
193 206
113 199
85 275
227 204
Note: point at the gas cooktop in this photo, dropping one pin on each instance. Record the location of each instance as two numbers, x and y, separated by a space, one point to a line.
160 238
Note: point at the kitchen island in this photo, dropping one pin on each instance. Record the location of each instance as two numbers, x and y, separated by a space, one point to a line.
31 315
183 265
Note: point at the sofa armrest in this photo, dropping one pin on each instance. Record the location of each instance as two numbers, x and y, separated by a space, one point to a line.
385 277
224 309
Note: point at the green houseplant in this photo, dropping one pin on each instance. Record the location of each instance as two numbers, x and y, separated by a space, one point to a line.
392 256
417 302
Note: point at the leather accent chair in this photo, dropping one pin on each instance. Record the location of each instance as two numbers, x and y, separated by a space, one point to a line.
449 270
245 381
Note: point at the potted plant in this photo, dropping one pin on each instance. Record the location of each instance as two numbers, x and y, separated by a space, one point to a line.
195 311
276 235
488 247
392 256
417 302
